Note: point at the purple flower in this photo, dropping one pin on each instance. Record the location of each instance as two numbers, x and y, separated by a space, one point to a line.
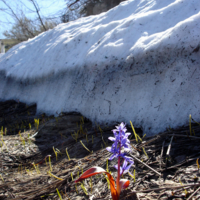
124 169
121 127
120 141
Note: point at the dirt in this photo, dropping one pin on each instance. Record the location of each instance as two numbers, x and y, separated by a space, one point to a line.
165 166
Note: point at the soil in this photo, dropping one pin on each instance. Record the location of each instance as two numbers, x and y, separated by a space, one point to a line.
34 163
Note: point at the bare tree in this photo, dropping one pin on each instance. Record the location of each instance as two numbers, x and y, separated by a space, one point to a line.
15 16
25 27
22 30
37 10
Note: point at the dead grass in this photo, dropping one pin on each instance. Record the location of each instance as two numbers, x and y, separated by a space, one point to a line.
169 172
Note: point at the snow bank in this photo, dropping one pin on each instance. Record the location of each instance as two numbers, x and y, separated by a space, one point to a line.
138 61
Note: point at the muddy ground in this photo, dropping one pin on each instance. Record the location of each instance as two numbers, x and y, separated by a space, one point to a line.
34 163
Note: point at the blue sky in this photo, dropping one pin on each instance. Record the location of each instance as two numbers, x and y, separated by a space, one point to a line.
47 7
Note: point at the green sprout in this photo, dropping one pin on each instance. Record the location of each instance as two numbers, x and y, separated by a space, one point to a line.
91 183
104 142
22 139
136 138
72 177
2 178
100 130
75 136
19 167
107 165
3 143
2 130
86 138
67 154
82 119
186 193
190 124
82 131
50 174
36 168
36 122
85 147
108 182
29 141
56 153
27 171
133 175
84 189
78 173
5 132
59 194
50 163
145 152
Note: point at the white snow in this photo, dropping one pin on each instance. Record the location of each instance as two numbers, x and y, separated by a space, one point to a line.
134 62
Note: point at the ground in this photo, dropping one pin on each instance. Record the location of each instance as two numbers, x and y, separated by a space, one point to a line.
165 166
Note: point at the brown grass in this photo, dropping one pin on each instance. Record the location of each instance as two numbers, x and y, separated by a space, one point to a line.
19 179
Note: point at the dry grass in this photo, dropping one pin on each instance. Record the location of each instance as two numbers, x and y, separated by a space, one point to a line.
169 172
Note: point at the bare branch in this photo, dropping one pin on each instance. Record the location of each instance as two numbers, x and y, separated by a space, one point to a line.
37 10
17 18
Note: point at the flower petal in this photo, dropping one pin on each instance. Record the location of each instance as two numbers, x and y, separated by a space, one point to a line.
112 139
109 149
124 183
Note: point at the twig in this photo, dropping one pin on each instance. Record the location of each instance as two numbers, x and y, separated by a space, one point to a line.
169 147
137 196
192 137
146 165
181 163
163 188
33 135
163 145
153 139
190 197
147 142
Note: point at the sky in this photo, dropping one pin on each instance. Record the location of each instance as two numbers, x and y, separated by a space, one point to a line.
135 62
48 7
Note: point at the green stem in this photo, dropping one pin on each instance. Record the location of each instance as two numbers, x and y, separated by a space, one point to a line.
118 177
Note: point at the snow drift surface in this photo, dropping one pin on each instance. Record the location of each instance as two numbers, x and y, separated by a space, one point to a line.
138 61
